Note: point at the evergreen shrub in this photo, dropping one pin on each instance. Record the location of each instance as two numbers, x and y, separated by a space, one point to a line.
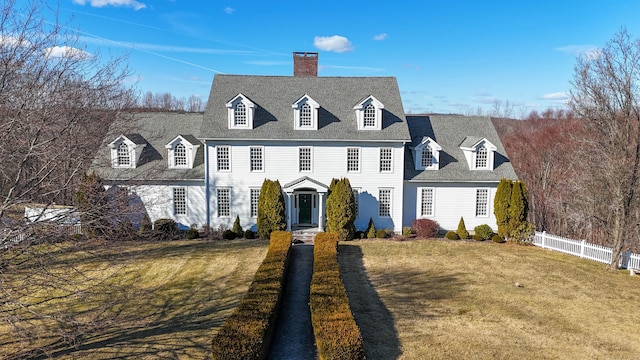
145 224
462 230
229 235
406 231
193 232
237 228
382 234
425 228
484 230
371 229
341 209
451 235
271 209
477 237
497 238
166 228
248 234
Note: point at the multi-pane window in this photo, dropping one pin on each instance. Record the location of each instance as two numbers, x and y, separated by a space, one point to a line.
305 116
180 155
223 156
369 116
255 195
353 159
124 158
427 157
179 201
304 159
240 115
384 200
224 202
385 160
481 157
255 158
482 202
426 202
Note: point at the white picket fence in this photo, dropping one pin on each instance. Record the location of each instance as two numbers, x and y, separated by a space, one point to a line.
584 250
67 229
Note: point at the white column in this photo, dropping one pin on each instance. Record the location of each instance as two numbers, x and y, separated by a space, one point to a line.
321 212
289 202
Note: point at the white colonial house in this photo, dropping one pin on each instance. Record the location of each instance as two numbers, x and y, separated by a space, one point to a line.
303 131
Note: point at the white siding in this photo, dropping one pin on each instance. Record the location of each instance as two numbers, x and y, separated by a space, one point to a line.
329 160
451 201
158 202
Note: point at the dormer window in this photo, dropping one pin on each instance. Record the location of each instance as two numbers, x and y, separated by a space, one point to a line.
180 155
479 153
369 114
126 150
427 154
182 151
305 113
240 115
240 112
123 157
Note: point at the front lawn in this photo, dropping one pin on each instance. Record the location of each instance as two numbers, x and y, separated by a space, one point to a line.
439 299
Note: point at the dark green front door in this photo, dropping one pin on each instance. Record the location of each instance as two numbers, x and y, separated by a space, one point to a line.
304 206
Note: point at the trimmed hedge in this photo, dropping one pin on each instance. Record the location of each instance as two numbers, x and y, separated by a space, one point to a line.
336 332
246 334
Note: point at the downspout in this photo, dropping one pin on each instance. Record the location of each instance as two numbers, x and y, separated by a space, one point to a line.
206 184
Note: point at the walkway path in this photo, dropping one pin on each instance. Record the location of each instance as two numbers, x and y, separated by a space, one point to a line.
294 335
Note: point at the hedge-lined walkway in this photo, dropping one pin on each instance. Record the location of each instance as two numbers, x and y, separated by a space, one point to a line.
294 333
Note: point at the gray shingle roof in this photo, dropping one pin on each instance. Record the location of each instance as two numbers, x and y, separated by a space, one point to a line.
449 131
274 117
156 129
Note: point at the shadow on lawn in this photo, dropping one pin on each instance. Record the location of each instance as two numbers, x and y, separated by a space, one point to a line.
373 318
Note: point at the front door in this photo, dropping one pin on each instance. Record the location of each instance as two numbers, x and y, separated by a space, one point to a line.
304 208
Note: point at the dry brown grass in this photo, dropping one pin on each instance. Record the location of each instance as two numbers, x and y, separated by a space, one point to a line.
436 299
165 299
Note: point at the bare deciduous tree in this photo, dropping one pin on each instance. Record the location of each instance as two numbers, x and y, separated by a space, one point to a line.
56 102
605 95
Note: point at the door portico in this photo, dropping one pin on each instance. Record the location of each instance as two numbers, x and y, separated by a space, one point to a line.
305 203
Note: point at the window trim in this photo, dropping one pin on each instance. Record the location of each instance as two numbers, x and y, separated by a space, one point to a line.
383 161
388 191
183 201
358 163
219 204
252 206
486 203
421 202
310 160
228 158
251 159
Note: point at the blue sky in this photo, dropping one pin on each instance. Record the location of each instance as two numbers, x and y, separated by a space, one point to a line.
448 56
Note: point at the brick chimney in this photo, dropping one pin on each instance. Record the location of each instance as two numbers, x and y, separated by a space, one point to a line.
305 64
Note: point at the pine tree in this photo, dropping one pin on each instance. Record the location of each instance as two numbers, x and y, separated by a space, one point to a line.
341 210
462 230
501 206
91 202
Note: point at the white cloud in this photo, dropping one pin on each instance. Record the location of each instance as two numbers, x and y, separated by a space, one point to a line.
66 51
229 10
380 37
589 51
14 41
335 43
558 96
102 3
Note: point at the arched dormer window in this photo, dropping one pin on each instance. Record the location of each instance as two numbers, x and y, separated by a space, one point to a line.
369 114
305 113
180 155
427 154
481 157
427 157
240 115
240 112
124 157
